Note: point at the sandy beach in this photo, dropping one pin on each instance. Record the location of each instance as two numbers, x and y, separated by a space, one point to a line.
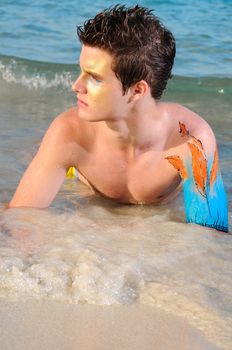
36 325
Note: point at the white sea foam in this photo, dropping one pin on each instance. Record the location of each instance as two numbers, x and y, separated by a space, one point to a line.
118 255
13 73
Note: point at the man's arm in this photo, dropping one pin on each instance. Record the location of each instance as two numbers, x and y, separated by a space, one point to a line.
46 173
204 194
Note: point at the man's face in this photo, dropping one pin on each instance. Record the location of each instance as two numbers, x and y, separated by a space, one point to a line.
98 90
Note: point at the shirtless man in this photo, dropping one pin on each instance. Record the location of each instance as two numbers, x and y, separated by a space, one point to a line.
124 142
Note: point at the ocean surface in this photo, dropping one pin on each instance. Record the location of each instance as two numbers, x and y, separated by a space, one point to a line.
87 249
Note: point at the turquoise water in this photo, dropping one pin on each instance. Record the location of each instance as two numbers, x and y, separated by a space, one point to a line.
46 31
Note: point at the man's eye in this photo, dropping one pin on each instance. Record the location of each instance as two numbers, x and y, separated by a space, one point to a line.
95 79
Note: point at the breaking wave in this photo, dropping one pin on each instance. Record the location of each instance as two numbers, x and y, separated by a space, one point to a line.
36 75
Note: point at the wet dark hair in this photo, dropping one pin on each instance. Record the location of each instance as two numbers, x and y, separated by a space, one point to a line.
142 48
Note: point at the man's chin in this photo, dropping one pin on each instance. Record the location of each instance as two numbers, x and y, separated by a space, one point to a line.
89 117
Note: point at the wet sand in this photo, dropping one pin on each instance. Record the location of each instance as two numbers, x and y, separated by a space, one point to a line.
36 325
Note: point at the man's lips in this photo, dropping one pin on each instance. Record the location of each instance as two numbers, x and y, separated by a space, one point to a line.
81 103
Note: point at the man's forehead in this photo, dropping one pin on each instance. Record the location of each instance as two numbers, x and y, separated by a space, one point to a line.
92 58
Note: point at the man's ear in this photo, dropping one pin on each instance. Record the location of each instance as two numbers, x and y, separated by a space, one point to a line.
138 90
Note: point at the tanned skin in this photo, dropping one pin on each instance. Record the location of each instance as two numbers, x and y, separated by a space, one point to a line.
119 143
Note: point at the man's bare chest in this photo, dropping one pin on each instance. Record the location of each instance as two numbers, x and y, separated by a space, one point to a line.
148 178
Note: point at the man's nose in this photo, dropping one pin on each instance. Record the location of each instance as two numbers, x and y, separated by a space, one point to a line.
78 86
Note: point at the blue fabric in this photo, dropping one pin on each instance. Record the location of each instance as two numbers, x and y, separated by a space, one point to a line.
210 210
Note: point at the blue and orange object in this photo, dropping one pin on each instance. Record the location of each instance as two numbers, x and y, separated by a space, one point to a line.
204 194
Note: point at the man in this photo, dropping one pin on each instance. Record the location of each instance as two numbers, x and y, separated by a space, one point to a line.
124 142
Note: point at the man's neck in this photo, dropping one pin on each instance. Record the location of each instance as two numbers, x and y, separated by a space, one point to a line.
137 130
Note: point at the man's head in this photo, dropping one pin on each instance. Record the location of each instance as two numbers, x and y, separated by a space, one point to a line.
142 48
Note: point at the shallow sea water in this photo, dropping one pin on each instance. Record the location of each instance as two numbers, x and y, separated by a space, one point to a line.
97 252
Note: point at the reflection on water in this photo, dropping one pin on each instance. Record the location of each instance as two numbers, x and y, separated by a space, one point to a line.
98 252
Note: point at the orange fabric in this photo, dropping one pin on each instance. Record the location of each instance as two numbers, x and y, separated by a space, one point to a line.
178 164
197 142
214 169
199 162
199 166
183 130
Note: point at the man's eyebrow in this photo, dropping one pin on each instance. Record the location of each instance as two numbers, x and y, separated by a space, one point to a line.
94 74
89 71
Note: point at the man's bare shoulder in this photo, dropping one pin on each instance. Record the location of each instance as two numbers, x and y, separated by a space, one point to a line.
69 124
193 123
69 119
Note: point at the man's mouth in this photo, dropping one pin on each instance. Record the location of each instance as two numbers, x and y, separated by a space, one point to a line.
81 103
